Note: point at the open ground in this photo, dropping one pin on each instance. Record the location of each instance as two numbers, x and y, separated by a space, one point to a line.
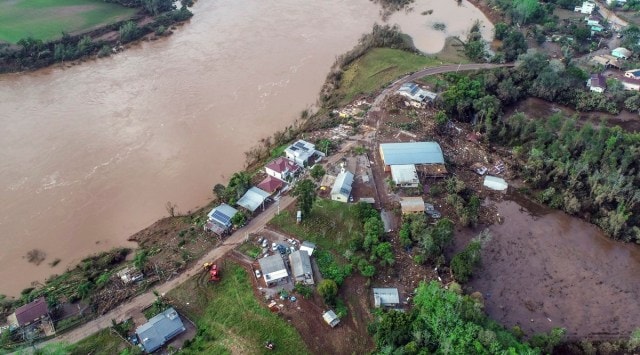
46 20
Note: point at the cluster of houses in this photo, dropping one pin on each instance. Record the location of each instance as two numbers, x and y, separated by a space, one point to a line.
631 79
275 271
280 172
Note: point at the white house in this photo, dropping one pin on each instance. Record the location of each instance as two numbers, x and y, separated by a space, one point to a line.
632 74
630 84
300 152
405 175
281 168
386 297
416 93
342 186
273 269
586 8
331 318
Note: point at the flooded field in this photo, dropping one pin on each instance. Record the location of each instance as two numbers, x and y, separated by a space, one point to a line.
545 269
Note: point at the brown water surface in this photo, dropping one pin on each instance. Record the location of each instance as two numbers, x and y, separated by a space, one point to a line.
548 269
92 153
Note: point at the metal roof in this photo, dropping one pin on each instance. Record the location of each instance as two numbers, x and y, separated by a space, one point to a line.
222 214
253 198
160 329
331 318
300 263
386 297
412 204
308 247
495 183
404 174
411 153
31 311
273 268
343 183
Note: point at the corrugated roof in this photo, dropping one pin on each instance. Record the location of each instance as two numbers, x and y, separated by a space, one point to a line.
404 174
411 153
253 198
495 183
331 318
160 329
222 214
343 183
273 268
308 247
300 263
386 296
412 204
32 311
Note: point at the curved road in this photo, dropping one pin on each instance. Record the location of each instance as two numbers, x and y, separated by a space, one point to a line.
125 310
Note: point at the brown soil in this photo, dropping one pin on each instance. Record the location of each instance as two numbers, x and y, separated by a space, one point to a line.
545 269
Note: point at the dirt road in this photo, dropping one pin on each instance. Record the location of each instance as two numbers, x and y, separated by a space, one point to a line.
124 311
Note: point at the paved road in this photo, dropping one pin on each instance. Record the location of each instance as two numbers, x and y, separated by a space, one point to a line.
125 310
611 16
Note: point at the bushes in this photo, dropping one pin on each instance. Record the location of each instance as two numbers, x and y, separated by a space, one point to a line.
464 263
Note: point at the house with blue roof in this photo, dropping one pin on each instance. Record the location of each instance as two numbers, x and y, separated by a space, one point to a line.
159 330
426 156
632 74
416 93
219 219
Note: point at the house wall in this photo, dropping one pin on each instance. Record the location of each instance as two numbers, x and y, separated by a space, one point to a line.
339 197
274 173
631 86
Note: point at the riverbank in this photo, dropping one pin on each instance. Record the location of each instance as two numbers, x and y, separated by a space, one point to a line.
31 53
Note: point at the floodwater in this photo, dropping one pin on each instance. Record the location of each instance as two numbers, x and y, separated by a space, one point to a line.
545 269
92 153
538 108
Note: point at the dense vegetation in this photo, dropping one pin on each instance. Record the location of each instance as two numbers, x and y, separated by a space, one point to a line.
585 170
442 322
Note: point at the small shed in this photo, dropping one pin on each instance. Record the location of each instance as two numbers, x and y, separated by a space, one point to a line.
331 318
597 83
130 274
621 53
273 269
308 247
495 183
253 199
160 329
301 267
412 205
386 297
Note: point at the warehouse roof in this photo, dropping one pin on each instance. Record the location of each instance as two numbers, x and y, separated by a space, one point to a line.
411 153
253 198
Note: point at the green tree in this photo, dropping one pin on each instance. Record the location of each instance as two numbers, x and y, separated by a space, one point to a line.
500 30
84 289
466 261
328 289
305 190
140 259
384 253
373 230
129 32
317 172
239 219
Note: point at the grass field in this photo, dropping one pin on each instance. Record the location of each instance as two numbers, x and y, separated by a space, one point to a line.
379 67
229 317
331 224
46 19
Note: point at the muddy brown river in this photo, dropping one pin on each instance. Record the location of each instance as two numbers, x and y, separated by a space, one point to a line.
92 153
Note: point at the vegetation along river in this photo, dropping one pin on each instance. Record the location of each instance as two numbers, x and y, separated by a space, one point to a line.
93 152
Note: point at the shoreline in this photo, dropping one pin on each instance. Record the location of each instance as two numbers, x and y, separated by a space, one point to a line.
132 236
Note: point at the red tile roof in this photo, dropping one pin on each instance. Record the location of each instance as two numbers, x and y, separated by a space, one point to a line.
270 184
32 311
282 164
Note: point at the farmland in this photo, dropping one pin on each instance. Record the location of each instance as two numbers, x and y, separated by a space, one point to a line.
46 20
229 317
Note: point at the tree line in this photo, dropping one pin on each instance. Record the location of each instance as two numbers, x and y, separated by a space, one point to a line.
32 53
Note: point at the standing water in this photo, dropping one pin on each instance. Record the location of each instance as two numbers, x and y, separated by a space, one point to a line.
92 153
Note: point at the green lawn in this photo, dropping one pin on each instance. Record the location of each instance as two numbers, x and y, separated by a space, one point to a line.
229 317
331 225
379 67
46 19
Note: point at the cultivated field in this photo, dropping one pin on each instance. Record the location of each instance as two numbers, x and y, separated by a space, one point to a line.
45 19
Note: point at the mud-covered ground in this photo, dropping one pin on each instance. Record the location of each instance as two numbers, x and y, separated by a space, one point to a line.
545 269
